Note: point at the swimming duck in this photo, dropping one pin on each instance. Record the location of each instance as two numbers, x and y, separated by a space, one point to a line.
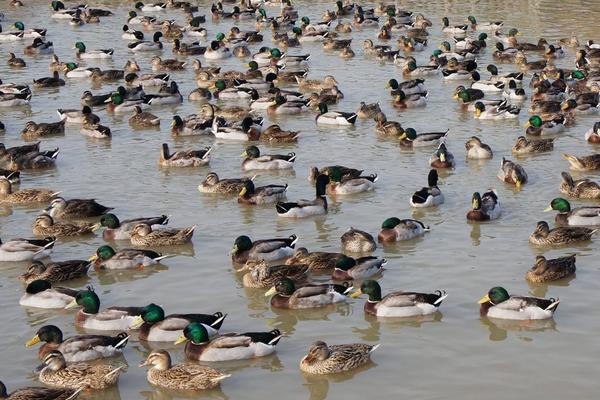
285 295
504 78
408 87
429 196
75 116
497 303
411 69
96 131
109 319
512 173
583 163
82 52
42 393
14 99
10 36
357 241
441 158
15 62
456 30
146 45
306 208
524 146
410 138
347 173
41 294
191 125
39 46
269 194
593 134
121 230
501 111
183 158
399 304
77 348
167 95
486 207
580 216
131 34
316 260
57 373
213 184
581 188
143 118
535 126
55 272
49 81
185 376
262 275
23 196
254 161
385 127
187 49
348 268
26 249
227 347
159 64
545 270
143 235
107 75
217 52
75 208
327 117
544 236
45 225
90 100
323 359
274 134
397 230
402 101
150 7
492 25
245 249
27 157
107 258
117 104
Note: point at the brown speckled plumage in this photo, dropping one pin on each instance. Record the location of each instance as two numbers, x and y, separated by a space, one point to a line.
323 359
545 270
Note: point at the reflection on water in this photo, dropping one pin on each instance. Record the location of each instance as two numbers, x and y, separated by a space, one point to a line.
318 385
524 330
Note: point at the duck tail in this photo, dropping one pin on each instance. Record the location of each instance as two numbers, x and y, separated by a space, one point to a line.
54 154
114 371
160 258
375 347
275 340
55 194
220 378
442 295
124 339
47 246
75 394
188 232
205 156
61 115
553 305
594 231
294 240
383 262
292 157
219 321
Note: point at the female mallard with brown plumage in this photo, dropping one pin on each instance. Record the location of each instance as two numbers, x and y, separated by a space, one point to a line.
55 271
581 188
143 118
33 130
580 216
56 372
544 236
144 235
524 146
583 163
385 127
75 208
545 270
38 393
357 241
213 184
186 376
397 230
497 303
316 260
263 275
285 295
476 149
23 196
398 304
322 359
512 173
45 225
484 208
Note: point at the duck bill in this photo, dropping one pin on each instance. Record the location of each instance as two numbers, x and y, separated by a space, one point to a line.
242 193
547 209
356 294
527 124
477 113
93 258
271 292
181 339
484 299
72 304
33 341
143 364
244 154
518 184
137 322
95 227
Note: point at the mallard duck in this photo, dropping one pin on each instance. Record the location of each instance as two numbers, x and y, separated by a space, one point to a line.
385 127
15 62
42 393
342 184
131 34
49 81
583 163
545 270
146 45
184 376
274 134
535 126
456 30
229 346
402 101
150 7
158 64
493 25
109 319
55 272
524 146
512 173
191 125
146 80
262 275
183 158
429 196
40 294
322 359
269 194
39 46
477 150
245 249
501 111
14 100
347 173
306 208
411 69
544 236
397 230
441 158
26 249
10 36
497 303
188 49
484 208
90 100
410 138
77 348
468 95
580 216
504 78
107 258
348 268
75 208
78 116
143 118
357 241
154 326
96 131
593 135
316 260
213 184
121 230
83 53
247 131
254 161
117 103
217 52
45 225
143 235
56 372
23 196
327 117
285 295
581 188
399 304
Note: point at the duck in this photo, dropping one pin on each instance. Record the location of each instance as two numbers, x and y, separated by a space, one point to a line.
146 45
409 87
108 258
27 157
56 372
544 236
11 36
82 52
486 207
581 188
39 46
184 158
429 196
275 134
150 7
247 131
285 295
254 161
506 77
49 81
580 216
55 272
35 392
385 127
90 100
191 125
476 149
456 30
269 194
524 146
15 62
158 64
306 208
535 126
411 69
75 116
217 52
262 275
402 101
339 184
45 225
96 131
187 49
497 303
593 135
41 294
545 270
491 25
338 118
77 348
121 230
143 118
117 104
146 80
107 75
346 172
399 304
583 163
167 95
154 326
182 377
131 34
16 250
397 230
512 173
357 241
245 249
316 261
323 359
283 106
24 196
227 347
348 268
109 319
409 138
75 208
442 158
501 111
14 100
143 235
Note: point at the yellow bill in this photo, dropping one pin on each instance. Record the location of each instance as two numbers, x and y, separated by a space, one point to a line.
244 154
484 299
33 341
181 339
96 226
527 124
72 304
93 258
137 322
243 191
271 292
356 294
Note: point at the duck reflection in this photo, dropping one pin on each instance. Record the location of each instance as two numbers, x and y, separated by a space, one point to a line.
499 327
108 277
286 320
318 385
372 333
541 289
